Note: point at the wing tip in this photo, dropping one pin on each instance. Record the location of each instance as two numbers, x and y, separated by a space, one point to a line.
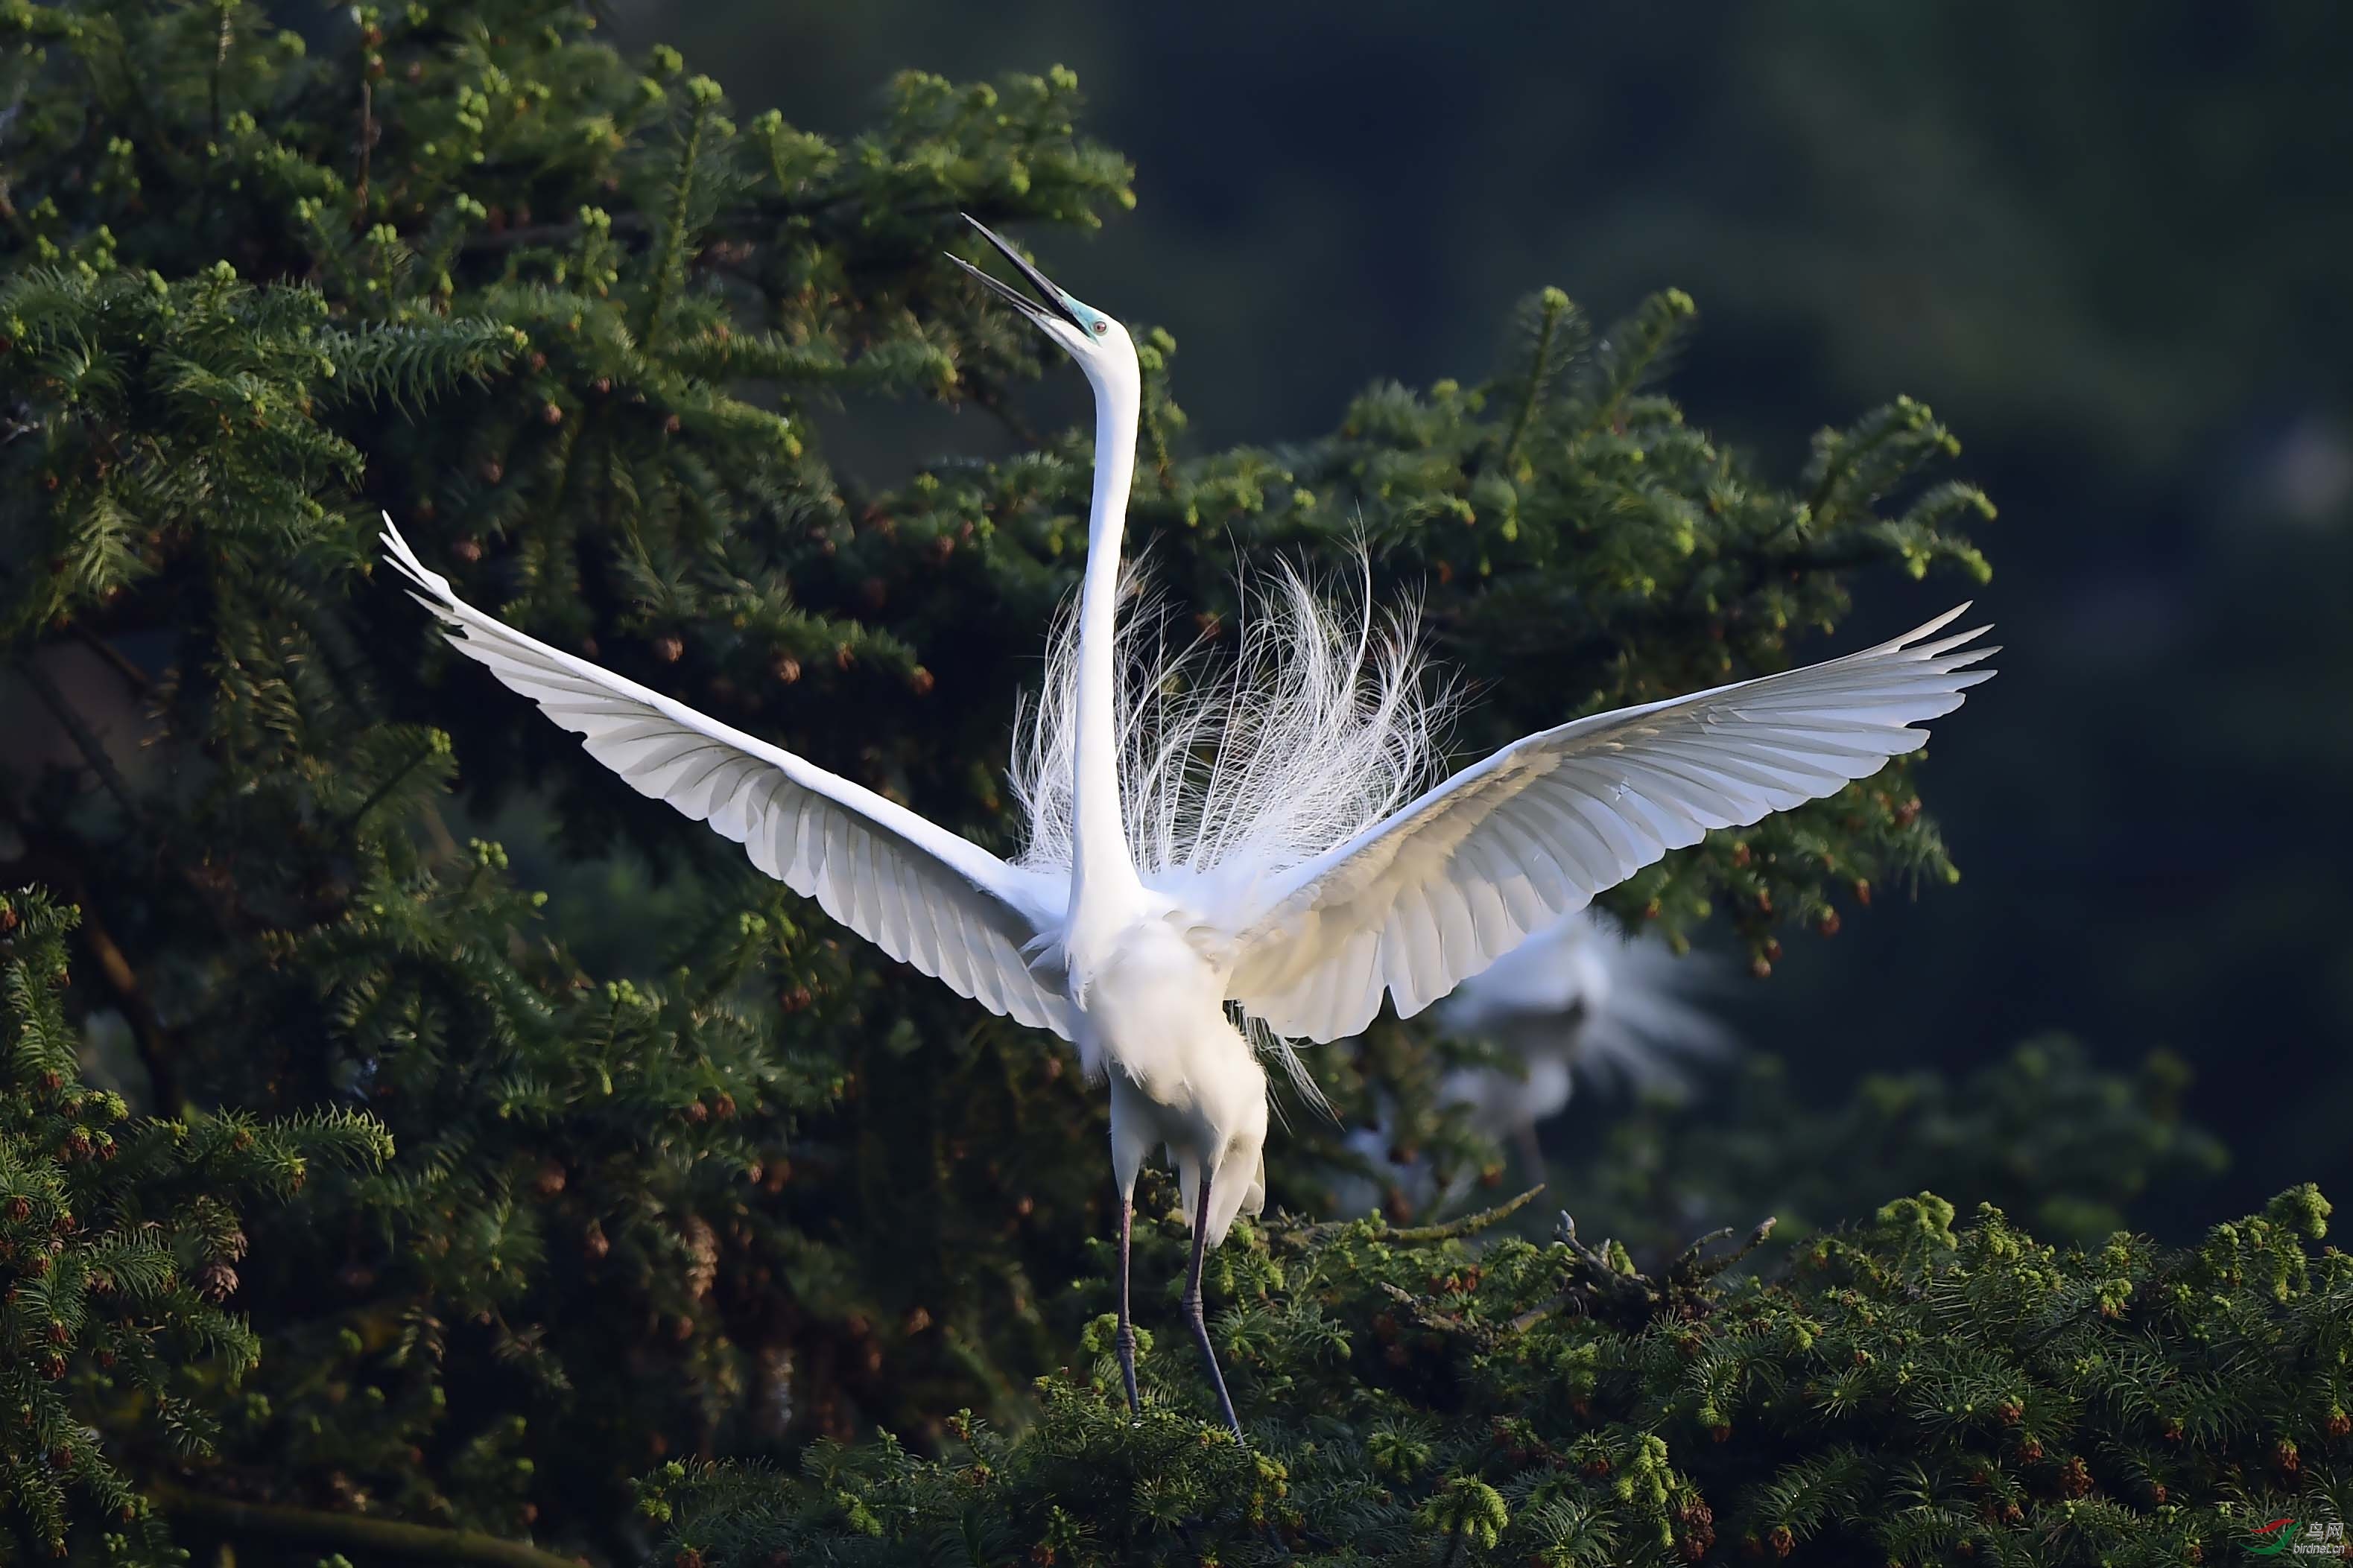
404 560
438 610
1937 624
1909 642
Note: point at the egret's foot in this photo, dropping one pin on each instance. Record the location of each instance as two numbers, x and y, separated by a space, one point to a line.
1192 1305
1209 1359
1126 1326
1128 1368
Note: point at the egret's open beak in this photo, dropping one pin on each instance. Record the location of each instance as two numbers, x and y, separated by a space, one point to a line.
1056 300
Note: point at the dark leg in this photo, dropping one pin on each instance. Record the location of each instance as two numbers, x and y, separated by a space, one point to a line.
1192 1305
1532 1160
1127 1323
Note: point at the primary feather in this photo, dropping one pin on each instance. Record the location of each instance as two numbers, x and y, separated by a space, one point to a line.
922 894
1448 883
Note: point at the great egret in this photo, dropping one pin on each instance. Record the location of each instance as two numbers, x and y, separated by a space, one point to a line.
1577 1000
1298 875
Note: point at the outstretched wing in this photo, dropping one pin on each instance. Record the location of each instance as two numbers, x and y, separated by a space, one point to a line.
1444 887
917 891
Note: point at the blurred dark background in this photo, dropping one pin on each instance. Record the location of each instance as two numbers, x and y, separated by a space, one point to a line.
2105 242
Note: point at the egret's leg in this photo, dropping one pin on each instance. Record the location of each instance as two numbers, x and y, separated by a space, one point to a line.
1532 1160
1127 1323
1192 1306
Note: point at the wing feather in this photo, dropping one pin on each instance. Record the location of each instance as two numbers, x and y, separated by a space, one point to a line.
919 893
1432 895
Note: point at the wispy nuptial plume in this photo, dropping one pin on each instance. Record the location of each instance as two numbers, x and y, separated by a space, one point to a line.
1322 721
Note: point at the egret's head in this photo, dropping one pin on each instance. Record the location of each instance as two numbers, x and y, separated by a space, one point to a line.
1099 344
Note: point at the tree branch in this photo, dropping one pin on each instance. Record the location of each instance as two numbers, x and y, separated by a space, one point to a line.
133 676
1303 1236
85 739
319 1527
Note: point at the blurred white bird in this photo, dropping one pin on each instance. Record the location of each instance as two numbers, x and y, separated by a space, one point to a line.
1298 873
1577 1000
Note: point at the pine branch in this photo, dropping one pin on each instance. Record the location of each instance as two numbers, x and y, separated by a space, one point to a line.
1552 305
317 1527
1323 1231
670 264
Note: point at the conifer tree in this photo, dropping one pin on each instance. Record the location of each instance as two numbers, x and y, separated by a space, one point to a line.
1912 1391
642 1161
119 1240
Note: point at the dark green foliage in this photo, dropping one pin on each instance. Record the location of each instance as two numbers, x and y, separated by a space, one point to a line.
681 1169
587 1254
2040 1134
201 402
119 1242
1903 1393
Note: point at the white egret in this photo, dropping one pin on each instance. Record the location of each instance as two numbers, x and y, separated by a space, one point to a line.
1298 875
1578 1001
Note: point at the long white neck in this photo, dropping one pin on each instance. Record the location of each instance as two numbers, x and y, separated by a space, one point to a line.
1104 885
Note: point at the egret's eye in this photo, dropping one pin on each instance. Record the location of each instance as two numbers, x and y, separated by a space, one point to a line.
1101 327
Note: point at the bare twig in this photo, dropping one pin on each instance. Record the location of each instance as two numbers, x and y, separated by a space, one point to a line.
85 739
220 59
134 676
353 817
1426 1314
1600 1283
1691 1268
367 147
1468 1225
1542 1309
